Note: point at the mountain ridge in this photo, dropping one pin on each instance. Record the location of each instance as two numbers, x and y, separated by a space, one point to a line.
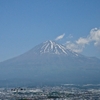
50 62
68 50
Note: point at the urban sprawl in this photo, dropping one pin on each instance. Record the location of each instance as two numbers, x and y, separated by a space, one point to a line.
63 92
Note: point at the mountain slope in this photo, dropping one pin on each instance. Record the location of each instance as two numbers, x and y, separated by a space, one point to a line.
51 63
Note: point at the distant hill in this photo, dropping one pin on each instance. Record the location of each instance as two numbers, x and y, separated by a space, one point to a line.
49 63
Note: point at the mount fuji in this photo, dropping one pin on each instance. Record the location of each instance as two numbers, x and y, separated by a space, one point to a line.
50 63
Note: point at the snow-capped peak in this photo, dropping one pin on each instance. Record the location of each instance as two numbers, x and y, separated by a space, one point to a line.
52 47
55 48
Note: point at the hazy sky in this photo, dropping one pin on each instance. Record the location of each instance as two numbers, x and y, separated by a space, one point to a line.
26 23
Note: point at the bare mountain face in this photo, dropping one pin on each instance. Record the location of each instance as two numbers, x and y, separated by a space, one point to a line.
50 63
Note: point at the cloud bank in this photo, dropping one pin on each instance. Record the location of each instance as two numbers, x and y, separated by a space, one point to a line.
80 44
60 37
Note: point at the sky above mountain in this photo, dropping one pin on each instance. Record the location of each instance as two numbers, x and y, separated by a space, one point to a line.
26 23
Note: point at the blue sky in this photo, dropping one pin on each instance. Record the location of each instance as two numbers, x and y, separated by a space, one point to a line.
26 23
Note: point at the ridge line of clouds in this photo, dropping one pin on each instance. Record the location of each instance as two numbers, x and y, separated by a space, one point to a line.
80 44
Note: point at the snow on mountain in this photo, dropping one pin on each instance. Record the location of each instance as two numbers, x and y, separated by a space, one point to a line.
52 47
55 48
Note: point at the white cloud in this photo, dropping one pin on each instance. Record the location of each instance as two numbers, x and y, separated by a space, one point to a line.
60 37
80 44
95 36
82 41
70 36
74 46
